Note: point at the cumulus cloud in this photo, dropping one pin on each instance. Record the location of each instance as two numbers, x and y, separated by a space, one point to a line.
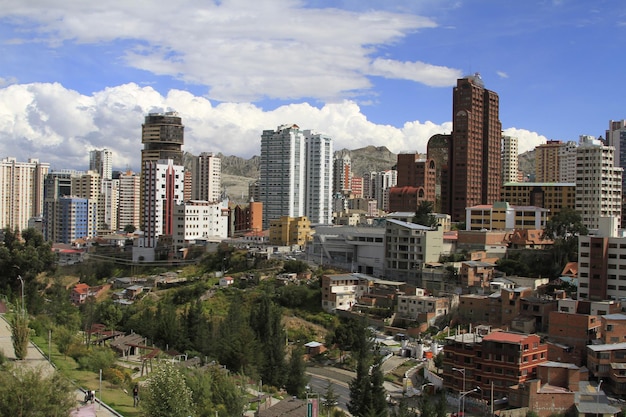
60 126
240 50
526 140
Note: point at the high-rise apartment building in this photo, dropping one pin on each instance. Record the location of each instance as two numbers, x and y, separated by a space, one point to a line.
547 161
108 205
510 163
282 173
616 137
438 149
598 182
129 208
207 177
475 150
318 177
342 173
71 218
21 191
101 161
416 183
567 162
89 185
378 186
163 136
163 185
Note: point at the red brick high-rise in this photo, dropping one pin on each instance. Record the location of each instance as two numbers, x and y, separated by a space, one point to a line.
475 160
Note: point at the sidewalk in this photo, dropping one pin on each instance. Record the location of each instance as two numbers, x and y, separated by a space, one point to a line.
37 360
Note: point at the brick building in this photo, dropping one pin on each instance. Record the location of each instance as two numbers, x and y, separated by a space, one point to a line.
495 361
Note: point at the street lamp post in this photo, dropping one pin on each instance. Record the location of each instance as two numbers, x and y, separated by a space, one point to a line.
461 370
463 394
23 305
598 398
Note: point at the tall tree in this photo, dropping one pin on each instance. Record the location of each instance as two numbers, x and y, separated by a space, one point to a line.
379 394
26 391
361 393
20 335
265 320
166 394
296 380
330 397
237 347
214 390
565 227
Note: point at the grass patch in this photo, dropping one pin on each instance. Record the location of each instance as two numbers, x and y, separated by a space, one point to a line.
113 395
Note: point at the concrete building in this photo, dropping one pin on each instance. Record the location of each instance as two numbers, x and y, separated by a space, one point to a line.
608 363
21 191
413 306
359 249
71 218
282 173
108 205
550 196
510 163
342 173
416 183
379 185
163 188
101 161
547 161
199 222
567 162
162 136
408 246
318 177
245 219
616 137
129 200
598 182
475 162
207 177
502 216
290 231
602 262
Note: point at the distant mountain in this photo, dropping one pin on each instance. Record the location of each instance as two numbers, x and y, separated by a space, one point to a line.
526 164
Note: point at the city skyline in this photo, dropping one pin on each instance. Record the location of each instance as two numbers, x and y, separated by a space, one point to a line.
82 77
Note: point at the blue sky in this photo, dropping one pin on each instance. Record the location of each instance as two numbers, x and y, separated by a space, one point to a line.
78 75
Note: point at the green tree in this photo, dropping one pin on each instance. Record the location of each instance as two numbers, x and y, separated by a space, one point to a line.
265 321
129 228
26 391
214 390
423 214
565 227
379 394
237 347
296 379
426 407
109 314
441 407
166 394
20 335
361 393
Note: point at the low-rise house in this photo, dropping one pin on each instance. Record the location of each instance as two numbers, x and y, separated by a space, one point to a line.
412 306
81 292
608 363
613 328
226 281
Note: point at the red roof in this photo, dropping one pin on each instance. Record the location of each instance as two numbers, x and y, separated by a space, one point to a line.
81 288
505 337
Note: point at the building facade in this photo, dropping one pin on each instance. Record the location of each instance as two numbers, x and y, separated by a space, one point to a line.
129 200
475 152
547 167
207 177
598 182
510 162
101 161
318 177
551 196
282 173
21 191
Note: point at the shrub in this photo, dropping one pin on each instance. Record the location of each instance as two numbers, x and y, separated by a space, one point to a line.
96 359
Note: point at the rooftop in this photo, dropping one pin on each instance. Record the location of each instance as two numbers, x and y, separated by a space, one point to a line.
505 337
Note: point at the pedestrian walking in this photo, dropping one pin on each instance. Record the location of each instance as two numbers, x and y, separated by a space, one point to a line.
136 395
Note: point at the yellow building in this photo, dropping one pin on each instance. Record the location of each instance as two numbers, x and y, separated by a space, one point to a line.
551 196
288 231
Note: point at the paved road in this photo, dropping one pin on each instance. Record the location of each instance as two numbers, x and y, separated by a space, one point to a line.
36 359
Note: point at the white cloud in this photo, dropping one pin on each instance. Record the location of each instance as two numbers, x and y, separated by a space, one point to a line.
502 74
241 50
526 140
60 126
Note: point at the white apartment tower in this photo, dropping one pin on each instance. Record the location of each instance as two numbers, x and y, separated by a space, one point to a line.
567 162
21 191
380 183
207 177
510 164
101 161
616 137
319 177
109 201
163 187
282 173
129 200
598 182
200 221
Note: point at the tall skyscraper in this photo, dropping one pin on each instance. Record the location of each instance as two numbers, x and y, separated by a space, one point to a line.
72 218
510 163
89 186
101 161
547 167
207 177
616 137
319 177
282 173
475 151
598 182
567 161
163 184
162 135
21 191
108 205
129 208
